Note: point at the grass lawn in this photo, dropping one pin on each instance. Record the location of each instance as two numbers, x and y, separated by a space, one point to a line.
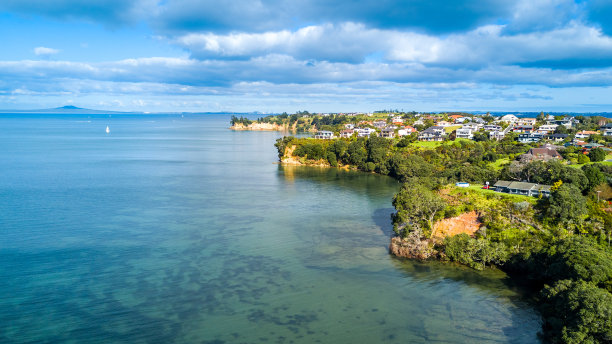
434 144
605 162
497 165
515 198
450 129
427 144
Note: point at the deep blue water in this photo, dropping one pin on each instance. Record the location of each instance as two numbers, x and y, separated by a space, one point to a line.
175 229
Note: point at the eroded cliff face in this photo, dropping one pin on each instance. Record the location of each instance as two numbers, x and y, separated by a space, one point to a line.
261 126
417 247
467 223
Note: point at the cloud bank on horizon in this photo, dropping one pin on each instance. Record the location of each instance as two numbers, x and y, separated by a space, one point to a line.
281 55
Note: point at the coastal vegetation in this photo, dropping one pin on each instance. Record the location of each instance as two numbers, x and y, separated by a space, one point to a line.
559 245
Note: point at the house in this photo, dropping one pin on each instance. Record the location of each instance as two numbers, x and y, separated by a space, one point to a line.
585 134
325 135
472 126
379 124
526 121
387 133
435 133
557 137
522 129
364 132
418 122
522 188
444 124
542 154
496 135
410 129
349 126
530 137
347 133
606 129
509 118
455 117
407 130
567 121
492 127
464 133
462 120
478 120
547 128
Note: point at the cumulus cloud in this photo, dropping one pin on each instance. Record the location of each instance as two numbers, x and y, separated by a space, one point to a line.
573 46
282 69
45 51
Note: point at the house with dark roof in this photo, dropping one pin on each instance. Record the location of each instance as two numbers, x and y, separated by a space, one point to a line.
543 154
434 133
522 188
557 137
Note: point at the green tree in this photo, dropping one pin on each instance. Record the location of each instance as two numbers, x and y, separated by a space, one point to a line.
594 175
597 154
416 206
577 312
566 205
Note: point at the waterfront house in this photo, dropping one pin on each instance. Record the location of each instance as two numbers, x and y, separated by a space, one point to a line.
522 188
325 135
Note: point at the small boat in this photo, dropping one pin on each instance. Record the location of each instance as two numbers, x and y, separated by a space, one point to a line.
107 129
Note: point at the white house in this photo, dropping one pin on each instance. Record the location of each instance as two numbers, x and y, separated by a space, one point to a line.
526 121
464 133
323 134
509 118
364 132
547 128
585 134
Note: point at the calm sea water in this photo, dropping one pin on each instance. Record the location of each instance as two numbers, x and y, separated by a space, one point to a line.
178 230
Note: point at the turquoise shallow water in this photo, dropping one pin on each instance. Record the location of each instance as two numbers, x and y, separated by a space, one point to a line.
177 230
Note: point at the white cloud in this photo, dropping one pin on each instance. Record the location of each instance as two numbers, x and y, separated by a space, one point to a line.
45 51
353 43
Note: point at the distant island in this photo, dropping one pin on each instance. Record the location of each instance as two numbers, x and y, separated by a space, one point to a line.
529 195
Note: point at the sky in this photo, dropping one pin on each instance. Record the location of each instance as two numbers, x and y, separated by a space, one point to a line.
314 55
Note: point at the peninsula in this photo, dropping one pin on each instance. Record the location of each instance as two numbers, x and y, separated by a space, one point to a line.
528 195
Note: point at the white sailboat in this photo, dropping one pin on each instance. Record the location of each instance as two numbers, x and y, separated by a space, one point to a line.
107 129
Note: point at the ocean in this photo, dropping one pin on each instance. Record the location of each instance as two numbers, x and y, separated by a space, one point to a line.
174 229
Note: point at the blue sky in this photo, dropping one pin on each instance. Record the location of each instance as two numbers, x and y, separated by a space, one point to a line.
316 55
